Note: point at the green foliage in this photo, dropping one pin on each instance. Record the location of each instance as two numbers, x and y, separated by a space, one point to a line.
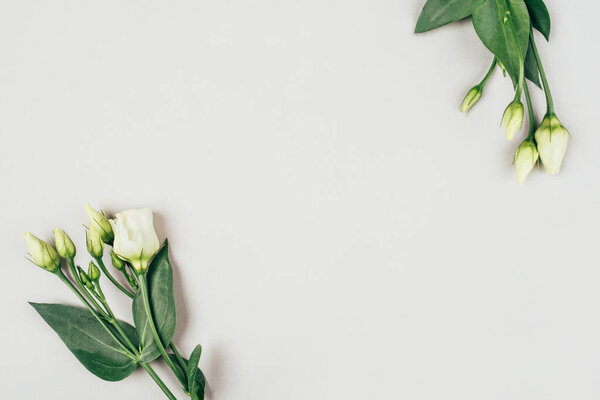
496 34
437 13
198 378
540 17
532 71
162 304
89 341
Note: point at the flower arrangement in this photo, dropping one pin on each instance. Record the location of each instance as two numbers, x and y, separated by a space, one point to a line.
108 347
506 28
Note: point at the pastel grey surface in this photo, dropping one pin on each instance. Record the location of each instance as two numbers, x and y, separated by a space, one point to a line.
338 229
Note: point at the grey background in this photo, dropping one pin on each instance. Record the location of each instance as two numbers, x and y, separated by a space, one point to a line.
338 228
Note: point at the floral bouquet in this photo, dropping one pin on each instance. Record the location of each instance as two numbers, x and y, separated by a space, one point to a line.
108 347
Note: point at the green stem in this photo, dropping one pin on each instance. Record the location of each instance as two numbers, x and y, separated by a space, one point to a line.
178 356
143 287
487 76
531 112
66 280
82 287
112 278
538 60
158 381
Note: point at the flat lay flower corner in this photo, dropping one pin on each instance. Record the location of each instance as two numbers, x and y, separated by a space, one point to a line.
108 347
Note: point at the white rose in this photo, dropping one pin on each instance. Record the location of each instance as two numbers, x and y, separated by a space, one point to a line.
135 238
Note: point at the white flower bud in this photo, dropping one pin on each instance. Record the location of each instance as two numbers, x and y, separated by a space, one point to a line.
135 238
552 139
42 253
100 222
64 245
95 245
471 98
513 118
526 157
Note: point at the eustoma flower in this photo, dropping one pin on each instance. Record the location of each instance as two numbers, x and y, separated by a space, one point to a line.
552 139
135 239
42 253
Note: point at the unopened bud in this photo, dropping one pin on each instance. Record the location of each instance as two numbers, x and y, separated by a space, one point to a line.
526 157
116 261
471 98
93 271
99 222
552 139
513 118
95 245
85 279
64 245
42 253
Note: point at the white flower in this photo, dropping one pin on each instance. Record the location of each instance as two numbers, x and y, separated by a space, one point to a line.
526 157
135 238
552 139
513 118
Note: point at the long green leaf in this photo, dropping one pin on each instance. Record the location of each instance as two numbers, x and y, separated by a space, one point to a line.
540 17
496 35
162 304
531 68
192 370
199 379
89 341
437 13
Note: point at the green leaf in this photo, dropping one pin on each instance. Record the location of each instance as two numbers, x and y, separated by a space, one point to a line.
540 17
192 370
89 341
531 68
199 379
437 13
497 36
162 305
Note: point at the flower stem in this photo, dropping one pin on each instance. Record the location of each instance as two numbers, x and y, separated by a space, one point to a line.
532 122
487 76
538 60
158 381
178 356
98 309
112 278
143 287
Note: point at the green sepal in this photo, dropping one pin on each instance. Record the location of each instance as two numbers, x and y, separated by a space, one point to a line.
87 339
162 305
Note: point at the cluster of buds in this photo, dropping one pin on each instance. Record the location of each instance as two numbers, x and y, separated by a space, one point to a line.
131 234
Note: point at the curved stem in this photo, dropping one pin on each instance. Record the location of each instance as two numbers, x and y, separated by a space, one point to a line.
82 287
143 287
158 381
538 60
531 112
180 359
112 278
487 76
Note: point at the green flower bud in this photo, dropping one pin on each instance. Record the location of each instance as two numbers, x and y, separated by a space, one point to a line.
471 98
526 157
100 222
85 279
513 118
116 261
64 245
42 253
93 272
95 245
552 139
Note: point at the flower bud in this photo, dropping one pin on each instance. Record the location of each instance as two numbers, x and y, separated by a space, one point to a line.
135 238
471 98
100 222
95 245
64 245
116 261
93 271
552 139
85 279
513 118
42 253
526 157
